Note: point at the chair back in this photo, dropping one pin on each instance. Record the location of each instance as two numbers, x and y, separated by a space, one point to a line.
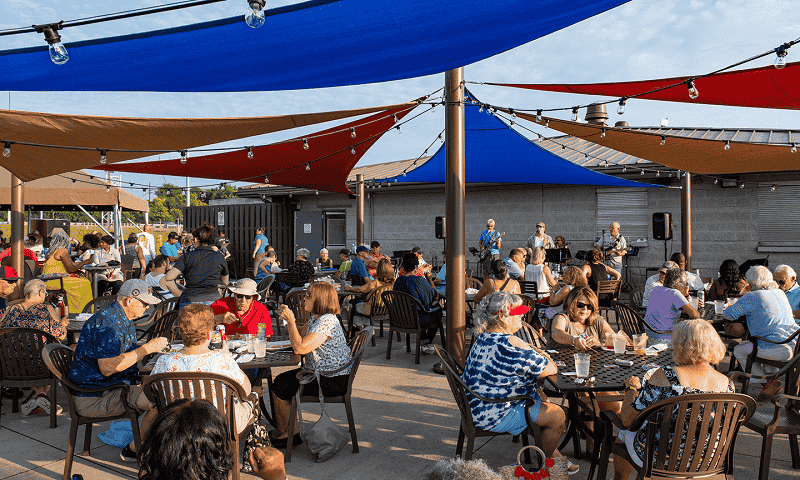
792 382
635 299
609 287
357 346
531 317
377 305
452 371
403 309
126 264
628 320
697 433
263 286
470 282
31 269
20 354
529 288
289 278
58 359
530 336
99 303
162 327
296 302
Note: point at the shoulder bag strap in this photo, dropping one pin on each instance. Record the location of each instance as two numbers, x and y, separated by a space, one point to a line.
504 284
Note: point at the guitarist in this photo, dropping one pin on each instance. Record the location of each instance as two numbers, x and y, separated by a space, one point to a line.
490 246
614 246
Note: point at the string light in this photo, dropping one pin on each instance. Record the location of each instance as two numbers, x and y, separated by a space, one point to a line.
58 53
316 192
352 132
250 152
741 185
605 165
663 140
624 168
773 188
308 166
7 150
693 93
255 17
539 116
603 133
794 148
353 150
621 107
716 181
513 114
73 181
574 114
266 179
480 109
398 128
642 172
184 155
727 145
658 173
780 59
547 123
103 158
305 144
394 117
108 189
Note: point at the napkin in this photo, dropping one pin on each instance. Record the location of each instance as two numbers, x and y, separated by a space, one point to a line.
471 291
247 357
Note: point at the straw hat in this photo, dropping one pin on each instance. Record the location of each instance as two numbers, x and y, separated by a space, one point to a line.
245 286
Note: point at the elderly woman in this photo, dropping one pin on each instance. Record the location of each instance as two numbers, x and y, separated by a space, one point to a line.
196 325
696 349
203 269
501 365
579 324
325 349
596 271
302 266
113 277
498 282
78 289
540 273
32 312
729 282
667 303
769 315
573 277
324 261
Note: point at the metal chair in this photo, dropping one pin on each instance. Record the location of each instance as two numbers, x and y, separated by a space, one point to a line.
99 303
163 327
378 310
529 288
357 346
58 359
164 388
166 306
296 302
636 299
697 434
754 358
404 312
21 364
630 322
126 266
607 292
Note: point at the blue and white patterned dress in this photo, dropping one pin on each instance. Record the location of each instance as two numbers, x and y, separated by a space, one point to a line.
497 369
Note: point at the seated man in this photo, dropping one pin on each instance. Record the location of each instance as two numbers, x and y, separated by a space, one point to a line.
695 283
423 290
157 278
171 248
358 270
516 264
344 267
656 280
786 278
242 312
106 355
374 257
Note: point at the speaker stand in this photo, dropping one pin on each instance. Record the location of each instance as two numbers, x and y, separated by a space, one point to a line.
626 285
665 250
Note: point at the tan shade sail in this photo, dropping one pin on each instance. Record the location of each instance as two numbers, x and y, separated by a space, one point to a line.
60 193
683 152
160 134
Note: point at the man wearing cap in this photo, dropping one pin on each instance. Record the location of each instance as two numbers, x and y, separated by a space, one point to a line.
170 247
358 270
344 268
656 281
374 257
242 312
106 356
695 283
540 239
8 285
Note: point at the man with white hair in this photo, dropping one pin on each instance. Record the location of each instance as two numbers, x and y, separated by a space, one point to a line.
613 244
656 280
786 279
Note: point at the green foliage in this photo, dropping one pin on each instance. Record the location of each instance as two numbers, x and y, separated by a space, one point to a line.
170 199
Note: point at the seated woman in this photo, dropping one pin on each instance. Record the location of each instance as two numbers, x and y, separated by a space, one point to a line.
325 349
666 305
196 325
573 277
78 290
596 271
579 324
423 290
33 312
156 278
267 266
384 276
729 282
111 278
696 349
540 273
142 254
501 365
769 315
302 267
499 282
324 261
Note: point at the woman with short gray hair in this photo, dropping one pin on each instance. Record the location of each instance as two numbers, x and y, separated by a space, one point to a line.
769 316
302 266
502 365
666 305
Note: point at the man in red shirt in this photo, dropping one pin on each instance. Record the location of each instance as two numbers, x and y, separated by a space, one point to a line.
374 257
242 312
27 252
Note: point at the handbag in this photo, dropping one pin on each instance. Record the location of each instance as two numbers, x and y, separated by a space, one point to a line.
324 438
553 468
257 437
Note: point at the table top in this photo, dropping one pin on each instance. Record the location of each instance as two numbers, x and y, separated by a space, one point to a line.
606 379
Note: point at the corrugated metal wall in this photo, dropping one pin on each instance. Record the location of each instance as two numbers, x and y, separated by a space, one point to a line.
239 225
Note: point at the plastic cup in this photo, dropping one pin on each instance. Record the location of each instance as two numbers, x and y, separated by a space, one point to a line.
250 342
719 307
639 343
260 348
619 345
582 362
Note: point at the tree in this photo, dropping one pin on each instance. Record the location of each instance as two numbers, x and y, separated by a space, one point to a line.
222 192
169 201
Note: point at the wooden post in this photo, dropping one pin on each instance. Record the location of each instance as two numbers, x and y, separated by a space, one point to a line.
686 218
360 211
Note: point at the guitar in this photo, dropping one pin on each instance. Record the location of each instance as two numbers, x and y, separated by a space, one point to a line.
486 248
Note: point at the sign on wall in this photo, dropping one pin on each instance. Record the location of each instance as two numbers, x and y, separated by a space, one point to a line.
221 219
306 228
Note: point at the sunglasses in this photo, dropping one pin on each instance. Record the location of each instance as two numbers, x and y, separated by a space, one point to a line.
781 282
581 305
241 296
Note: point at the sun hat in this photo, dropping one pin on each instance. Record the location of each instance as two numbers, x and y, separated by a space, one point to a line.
245 286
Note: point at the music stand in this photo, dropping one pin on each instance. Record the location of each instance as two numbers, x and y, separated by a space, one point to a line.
557 255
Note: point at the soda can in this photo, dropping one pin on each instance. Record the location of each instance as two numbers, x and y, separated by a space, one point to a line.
216 340
262 331
221 329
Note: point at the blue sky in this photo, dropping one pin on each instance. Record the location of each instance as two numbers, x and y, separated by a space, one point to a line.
642 39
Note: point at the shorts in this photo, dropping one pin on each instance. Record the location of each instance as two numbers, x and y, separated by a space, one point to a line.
286 384
109 404
514 421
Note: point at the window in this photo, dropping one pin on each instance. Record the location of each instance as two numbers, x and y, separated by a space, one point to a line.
335 230
628 206
778 218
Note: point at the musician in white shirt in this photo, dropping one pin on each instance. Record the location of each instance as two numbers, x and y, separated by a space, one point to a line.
613 244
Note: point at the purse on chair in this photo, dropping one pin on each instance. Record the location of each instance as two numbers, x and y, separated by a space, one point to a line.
553 468
324 438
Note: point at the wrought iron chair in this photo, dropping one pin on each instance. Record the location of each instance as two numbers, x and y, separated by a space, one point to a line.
630 322
404 312
99 303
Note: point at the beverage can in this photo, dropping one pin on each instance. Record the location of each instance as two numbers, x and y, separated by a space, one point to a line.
216 340
221 329
262 331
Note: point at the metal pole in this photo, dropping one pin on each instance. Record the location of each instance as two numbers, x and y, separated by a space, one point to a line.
454 211
686 218
360 210
17 225
93 219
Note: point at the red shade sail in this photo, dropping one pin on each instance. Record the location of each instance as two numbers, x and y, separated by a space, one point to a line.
329 157
762 87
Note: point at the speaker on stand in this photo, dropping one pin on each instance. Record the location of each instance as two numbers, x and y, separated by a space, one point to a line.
662 228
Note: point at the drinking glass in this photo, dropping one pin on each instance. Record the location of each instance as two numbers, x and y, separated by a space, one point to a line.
719 307
260 348
582 362
639 343
619 344
250 342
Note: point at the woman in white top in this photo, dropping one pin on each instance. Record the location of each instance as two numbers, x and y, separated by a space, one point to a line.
540 273
111 278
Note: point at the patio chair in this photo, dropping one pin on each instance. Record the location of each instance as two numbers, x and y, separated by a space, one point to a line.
782 420
126 266
59 359
467 428
21 364
163 327
607 292
357 345
630 322
529 288
289 278
166 306
164 388
99 303
635 299
754 358
296 302
685 425
404 312
377 308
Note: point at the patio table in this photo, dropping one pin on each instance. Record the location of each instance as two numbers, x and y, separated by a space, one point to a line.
93 270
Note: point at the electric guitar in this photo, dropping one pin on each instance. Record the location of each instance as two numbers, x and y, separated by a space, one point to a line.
486 248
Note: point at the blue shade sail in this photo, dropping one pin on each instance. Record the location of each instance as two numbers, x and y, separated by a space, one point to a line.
316 44
497 154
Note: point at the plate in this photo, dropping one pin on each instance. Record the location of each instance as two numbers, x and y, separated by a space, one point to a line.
283 344
172 348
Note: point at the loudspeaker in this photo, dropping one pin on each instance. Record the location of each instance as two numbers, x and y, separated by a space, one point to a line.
662 226
441 227
45 227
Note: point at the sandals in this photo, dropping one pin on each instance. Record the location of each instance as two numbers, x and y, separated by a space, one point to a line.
282 442
572 468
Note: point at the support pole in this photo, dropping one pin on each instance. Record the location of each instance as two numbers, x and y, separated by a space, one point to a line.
93 219
360 210
17 225
454 211
686 218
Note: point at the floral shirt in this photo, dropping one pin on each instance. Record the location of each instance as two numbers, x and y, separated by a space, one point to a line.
215 361
36 316
303 269
334 352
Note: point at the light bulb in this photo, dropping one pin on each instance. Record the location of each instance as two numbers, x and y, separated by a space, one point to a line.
547 123
727 145
538 115
305 144
642 172
780 58
353 150
394 117
108 189
574 114
605 165
658 173
266 179
103 158
352 132
603 133
670 175
741 185
663 140
250 152
513 114
290 195
621 107
693 93
308 166
716 181
624 168
480 109
794 148
316 192
7 150
255 17
398 129
773 188
184 154
58 53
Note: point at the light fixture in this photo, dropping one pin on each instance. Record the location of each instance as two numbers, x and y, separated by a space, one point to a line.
404 174
716 181
794 148
642 172
255 17
603 133
352 132
266 179
144 190
91 177
693 93
563 147
547 123
394 117
440 136
353 150
184 155
670 175
480 108
316 192
621 107
538 115
58 52
585 155
780 59
290 195
658 173
103 158
7 150
663 140
73 181
513 114
574 114
741 185
773 188
308 166
250 152
108 189
605 165
624 168
398 128
305 144
727 145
